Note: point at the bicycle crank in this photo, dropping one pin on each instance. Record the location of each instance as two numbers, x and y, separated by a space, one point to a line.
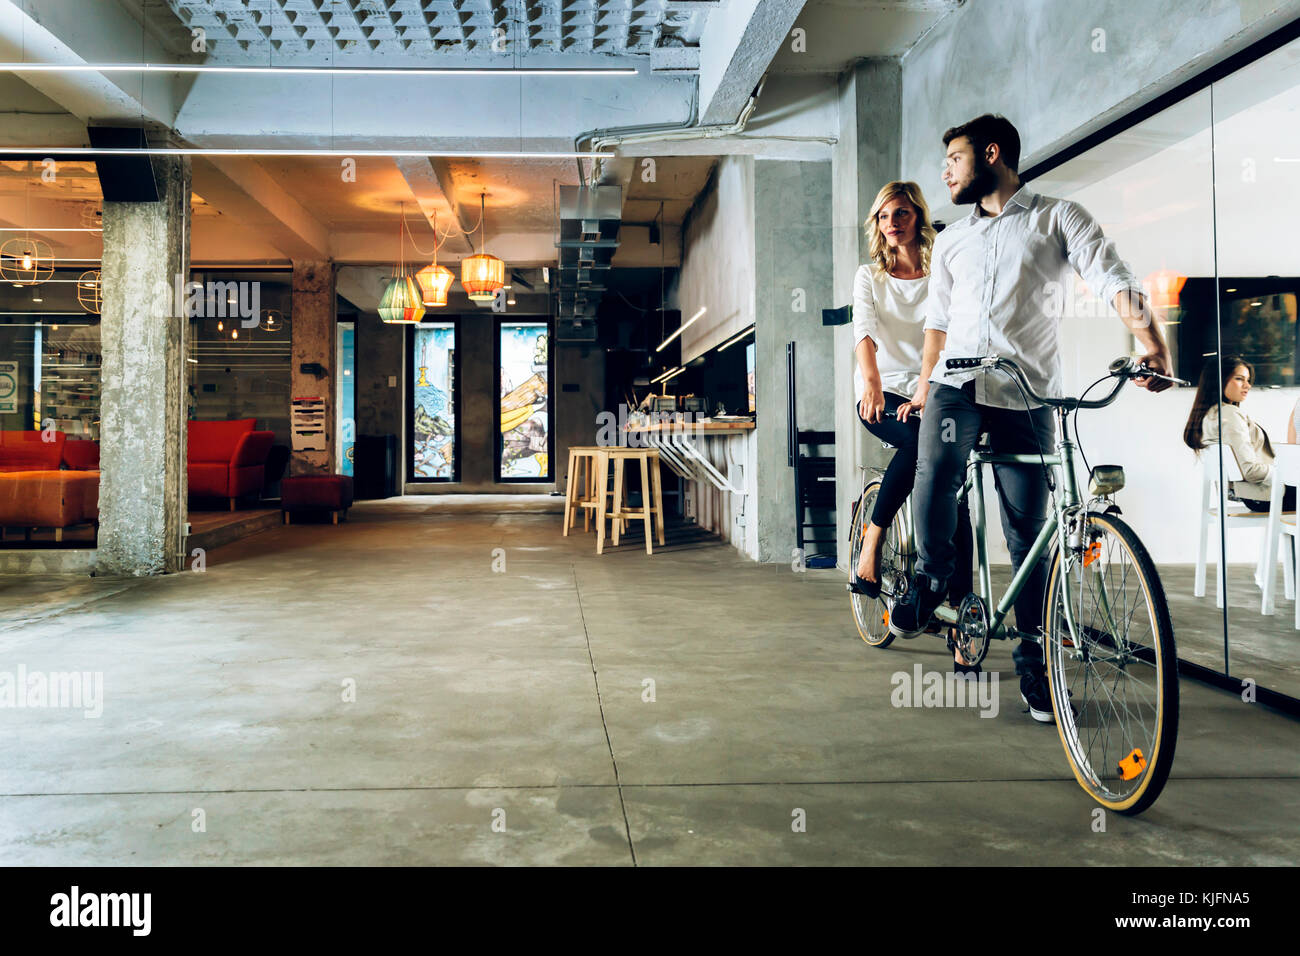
972 629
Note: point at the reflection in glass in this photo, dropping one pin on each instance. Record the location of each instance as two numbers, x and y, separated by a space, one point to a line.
1256 160
1150 187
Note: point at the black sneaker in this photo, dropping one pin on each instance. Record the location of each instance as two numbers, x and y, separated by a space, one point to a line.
912 612
1038 698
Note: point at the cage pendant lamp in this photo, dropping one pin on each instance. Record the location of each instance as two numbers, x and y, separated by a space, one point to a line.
482 275
26 262
402 302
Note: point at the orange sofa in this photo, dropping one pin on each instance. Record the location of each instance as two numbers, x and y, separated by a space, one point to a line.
227 459
35 491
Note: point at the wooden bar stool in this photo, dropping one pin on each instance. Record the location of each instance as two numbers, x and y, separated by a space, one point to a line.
579 493
652 502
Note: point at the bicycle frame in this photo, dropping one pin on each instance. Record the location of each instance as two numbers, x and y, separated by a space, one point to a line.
1064 506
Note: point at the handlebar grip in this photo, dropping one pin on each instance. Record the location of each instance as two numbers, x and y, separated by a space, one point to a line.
964 362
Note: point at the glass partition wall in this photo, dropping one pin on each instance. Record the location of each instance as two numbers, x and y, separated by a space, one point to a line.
1198 199
1257 158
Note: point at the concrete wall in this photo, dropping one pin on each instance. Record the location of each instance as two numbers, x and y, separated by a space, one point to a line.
792 227
575 412
718 265
380 347
1046 74
865 157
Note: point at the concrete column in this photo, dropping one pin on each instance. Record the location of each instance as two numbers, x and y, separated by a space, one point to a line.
142 487
314 326
864 159
792 233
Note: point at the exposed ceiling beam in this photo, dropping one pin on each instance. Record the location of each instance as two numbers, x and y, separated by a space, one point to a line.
81 31
425 177
735 51
243 189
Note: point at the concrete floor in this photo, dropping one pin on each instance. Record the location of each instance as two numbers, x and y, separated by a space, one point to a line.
522 691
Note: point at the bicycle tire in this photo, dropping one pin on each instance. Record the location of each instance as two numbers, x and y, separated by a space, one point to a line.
870 615
1091 767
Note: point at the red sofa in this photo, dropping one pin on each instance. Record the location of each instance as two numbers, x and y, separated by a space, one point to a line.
28 451
227 459
81 455
34 490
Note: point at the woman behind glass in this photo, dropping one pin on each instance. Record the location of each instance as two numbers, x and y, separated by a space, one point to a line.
889 294
1217 416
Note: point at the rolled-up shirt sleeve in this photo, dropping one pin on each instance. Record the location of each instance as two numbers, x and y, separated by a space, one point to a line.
865 322
1094 256
939 293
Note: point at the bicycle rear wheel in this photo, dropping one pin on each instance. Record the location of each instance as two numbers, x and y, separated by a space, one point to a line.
1122 675
871 615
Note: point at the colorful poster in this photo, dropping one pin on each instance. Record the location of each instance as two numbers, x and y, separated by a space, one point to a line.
525 401
433 447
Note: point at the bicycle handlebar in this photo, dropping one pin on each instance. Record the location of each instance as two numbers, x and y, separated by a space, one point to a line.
1122 369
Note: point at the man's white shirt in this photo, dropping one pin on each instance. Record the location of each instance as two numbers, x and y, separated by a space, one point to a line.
998 285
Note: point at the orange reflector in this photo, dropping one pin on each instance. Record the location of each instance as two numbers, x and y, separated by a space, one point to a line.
1092 554
884 617
1132 765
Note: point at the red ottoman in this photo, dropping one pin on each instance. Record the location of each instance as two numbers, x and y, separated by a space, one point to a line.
331 493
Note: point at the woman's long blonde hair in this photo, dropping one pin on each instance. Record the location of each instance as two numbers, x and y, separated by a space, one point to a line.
881 254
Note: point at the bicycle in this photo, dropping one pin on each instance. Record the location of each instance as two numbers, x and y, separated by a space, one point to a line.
1112 671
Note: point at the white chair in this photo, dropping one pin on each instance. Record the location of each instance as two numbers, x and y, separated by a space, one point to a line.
1286 473
1212 499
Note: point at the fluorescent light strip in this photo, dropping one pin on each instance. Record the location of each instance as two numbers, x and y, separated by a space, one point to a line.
674 375
310 70
217 151
44 229
663 376
682 328
735 338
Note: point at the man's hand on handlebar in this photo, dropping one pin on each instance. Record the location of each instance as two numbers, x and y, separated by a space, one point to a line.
1157 361
916 405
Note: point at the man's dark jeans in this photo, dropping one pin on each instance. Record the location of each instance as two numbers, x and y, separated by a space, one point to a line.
949 431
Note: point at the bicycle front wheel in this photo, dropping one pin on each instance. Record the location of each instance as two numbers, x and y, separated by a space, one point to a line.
1114 680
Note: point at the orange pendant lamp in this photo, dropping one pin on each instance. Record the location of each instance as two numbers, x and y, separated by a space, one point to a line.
435 280
402 302
482 275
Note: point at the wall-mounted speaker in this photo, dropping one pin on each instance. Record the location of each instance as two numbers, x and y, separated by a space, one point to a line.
123 178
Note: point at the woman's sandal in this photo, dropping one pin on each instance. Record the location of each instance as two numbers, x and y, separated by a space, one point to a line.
869 589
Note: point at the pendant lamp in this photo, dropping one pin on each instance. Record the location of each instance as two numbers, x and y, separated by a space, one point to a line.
26 261
435 280
482 275
402 302
88 291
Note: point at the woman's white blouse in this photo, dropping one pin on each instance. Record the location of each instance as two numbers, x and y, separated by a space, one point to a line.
890 312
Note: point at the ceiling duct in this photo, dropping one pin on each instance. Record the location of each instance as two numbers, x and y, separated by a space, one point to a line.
586 238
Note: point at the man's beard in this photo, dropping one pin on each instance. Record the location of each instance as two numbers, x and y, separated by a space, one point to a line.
982 183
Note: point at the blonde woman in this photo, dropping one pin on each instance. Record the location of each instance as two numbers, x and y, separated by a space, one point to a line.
889 295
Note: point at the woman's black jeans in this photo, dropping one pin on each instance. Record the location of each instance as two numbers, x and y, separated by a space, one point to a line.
896 485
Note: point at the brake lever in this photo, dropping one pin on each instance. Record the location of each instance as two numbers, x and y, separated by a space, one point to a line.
1144 371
